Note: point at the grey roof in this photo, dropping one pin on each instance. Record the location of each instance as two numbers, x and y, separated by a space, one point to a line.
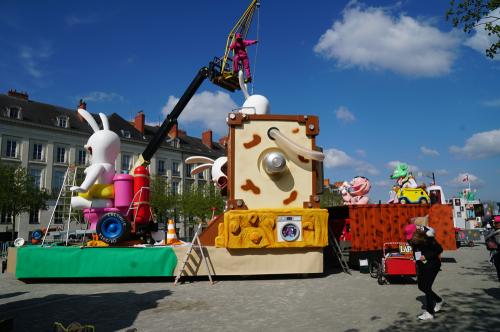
46 115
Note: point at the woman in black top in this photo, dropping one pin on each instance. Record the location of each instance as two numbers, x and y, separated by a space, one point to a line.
428 266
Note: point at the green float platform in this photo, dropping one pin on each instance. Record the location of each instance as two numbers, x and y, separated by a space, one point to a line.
76 262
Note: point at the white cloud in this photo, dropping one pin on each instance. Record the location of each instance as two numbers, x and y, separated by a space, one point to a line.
441 172
458 181
480 41
343 114
383 183
100 96
392 165
31 58
429 152
339 159
492 103
480 145
361 152
373 39
208 108
73 20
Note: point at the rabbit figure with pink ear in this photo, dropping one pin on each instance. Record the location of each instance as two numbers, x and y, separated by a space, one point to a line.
97 191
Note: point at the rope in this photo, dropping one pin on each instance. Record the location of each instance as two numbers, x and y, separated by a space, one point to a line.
256 48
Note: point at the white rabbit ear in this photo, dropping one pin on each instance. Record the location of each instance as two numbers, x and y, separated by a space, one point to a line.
243 86
199 160
104 120
89 118
201 168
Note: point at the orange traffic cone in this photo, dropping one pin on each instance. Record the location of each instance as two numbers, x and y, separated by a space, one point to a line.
171 235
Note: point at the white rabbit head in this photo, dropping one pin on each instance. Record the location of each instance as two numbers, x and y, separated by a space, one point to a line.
218 168
103 145
254 104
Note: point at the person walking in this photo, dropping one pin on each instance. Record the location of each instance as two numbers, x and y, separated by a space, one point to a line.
492 240
240 54
427 254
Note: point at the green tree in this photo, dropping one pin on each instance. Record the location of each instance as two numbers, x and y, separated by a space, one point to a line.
162 200
473 14
331 197
19 193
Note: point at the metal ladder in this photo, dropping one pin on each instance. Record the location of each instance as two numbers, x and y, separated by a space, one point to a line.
338 251
196 242
64 201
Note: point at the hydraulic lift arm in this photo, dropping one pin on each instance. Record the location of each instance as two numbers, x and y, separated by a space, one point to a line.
171 119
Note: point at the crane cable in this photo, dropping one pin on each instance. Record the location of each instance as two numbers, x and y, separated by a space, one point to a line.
256 46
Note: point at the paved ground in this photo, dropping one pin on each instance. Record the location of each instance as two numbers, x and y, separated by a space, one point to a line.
334 302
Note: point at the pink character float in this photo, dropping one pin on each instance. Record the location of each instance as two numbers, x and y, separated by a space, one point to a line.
240 54
356 191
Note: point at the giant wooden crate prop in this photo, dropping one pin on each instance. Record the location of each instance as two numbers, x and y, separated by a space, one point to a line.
256 199
374 224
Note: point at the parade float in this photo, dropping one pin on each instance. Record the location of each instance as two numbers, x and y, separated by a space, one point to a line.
272 177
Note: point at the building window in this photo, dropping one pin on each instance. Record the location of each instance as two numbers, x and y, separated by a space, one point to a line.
37 152
62 121
189 168
34 217
176 171
175 187
11 149
13 112
82 157
201 175
125 133
126 159
57 180
161 167
5 218
36 174
60 154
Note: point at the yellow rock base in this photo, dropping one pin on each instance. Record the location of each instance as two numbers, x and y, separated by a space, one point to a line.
258 229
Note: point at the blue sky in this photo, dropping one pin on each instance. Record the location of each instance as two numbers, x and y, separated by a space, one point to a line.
391 81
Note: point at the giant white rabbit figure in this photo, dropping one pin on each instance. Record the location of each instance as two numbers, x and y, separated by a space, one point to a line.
96 191
254 104
217 168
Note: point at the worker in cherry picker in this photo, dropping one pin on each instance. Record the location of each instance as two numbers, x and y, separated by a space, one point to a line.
240 54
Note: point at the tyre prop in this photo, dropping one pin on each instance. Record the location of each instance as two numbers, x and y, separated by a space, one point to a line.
112 228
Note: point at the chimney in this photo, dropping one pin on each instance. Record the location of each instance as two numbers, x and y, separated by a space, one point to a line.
326 183
206 138
139 121
82 104
173 133
18 94
223 140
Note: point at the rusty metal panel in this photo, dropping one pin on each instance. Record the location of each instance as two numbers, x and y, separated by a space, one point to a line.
374 224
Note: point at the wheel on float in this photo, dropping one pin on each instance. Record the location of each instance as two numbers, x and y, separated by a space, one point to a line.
374 267
37 235
423 201
404 200
112 228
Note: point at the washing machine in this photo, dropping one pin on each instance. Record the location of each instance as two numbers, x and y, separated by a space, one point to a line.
289 228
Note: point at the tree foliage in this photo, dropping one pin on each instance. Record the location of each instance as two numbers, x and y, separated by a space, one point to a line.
194 202
331 197
18 193
162 200
473 14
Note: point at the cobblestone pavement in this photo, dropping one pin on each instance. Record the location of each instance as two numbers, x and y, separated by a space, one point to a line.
333 302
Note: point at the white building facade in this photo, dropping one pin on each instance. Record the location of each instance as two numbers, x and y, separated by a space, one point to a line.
47 139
